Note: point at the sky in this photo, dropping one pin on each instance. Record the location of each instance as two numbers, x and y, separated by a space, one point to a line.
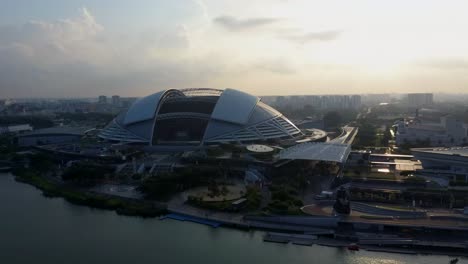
56 48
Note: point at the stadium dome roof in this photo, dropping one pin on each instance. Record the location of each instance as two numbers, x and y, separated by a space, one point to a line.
198 116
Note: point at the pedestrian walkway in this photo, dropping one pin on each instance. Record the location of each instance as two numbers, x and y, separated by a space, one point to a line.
197 220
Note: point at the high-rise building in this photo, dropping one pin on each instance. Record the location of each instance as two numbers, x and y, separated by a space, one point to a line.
355 101
416 100
116 100
375 99
102 99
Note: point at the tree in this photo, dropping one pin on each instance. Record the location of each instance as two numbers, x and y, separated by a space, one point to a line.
160 187
86 173
308 109
332 119
41 162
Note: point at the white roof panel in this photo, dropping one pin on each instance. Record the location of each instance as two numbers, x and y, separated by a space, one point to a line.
234 106
453 151
143 108
317 151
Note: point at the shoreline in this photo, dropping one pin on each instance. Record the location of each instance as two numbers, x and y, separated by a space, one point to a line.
333 242
121 205
146 209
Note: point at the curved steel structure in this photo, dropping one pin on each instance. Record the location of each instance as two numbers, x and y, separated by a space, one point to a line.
199 116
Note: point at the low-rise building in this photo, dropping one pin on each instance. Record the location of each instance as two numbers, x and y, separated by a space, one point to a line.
448 163
52 135
447 132
15 128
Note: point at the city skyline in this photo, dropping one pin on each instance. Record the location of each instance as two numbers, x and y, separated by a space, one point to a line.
85 48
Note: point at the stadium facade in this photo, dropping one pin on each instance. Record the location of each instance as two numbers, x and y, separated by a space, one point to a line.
199 116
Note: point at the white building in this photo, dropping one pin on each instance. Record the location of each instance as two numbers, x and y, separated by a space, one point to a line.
416 100
199 116
447 132
450 164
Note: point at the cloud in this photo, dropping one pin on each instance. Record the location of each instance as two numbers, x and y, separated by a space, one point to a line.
314 36
445 63
78 57
275 66
203 7
235 24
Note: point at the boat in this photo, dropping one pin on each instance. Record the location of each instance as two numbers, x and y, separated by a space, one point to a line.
353 247
454 261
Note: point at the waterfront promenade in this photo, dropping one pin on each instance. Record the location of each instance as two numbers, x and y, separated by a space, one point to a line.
326 226
178 205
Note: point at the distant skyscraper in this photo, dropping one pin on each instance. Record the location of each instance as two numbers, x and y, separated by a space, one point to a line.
320 101
116 100
355 101
416 100
102 99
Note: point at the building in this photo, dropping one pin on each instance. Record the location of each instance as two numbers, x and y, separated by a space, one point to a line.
446 163
416 100
116 101
102 99
376 99
322 102
310 123
199 116
15 129
355 102
52 135
448 131
335 101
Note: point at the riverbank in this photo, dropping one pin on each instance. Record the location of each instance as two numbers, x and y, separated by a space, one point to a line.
34 224
327 231
121 205
133 207
5 166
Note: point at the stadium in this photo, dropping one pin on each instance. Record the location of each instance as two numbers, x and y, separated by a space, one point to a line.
199 116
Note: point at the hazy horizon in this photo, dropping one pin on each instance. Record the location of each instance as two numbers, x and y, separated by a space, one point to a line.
63 49
440 97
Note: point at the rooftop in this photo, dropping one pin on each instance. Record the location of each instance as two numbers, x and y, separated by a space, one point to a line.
317 151
259 148
60 130
455 151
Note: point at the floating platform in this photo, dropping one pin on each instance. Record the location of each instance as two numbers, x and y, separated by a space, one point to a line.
303 243
276 240
193 219
297 239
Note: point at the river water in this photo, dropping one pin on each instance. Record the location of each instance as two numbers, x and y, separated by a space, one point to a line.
35 229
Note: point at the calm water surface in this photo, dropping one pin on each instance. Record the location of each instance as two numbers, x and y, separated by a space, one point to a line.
35 229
